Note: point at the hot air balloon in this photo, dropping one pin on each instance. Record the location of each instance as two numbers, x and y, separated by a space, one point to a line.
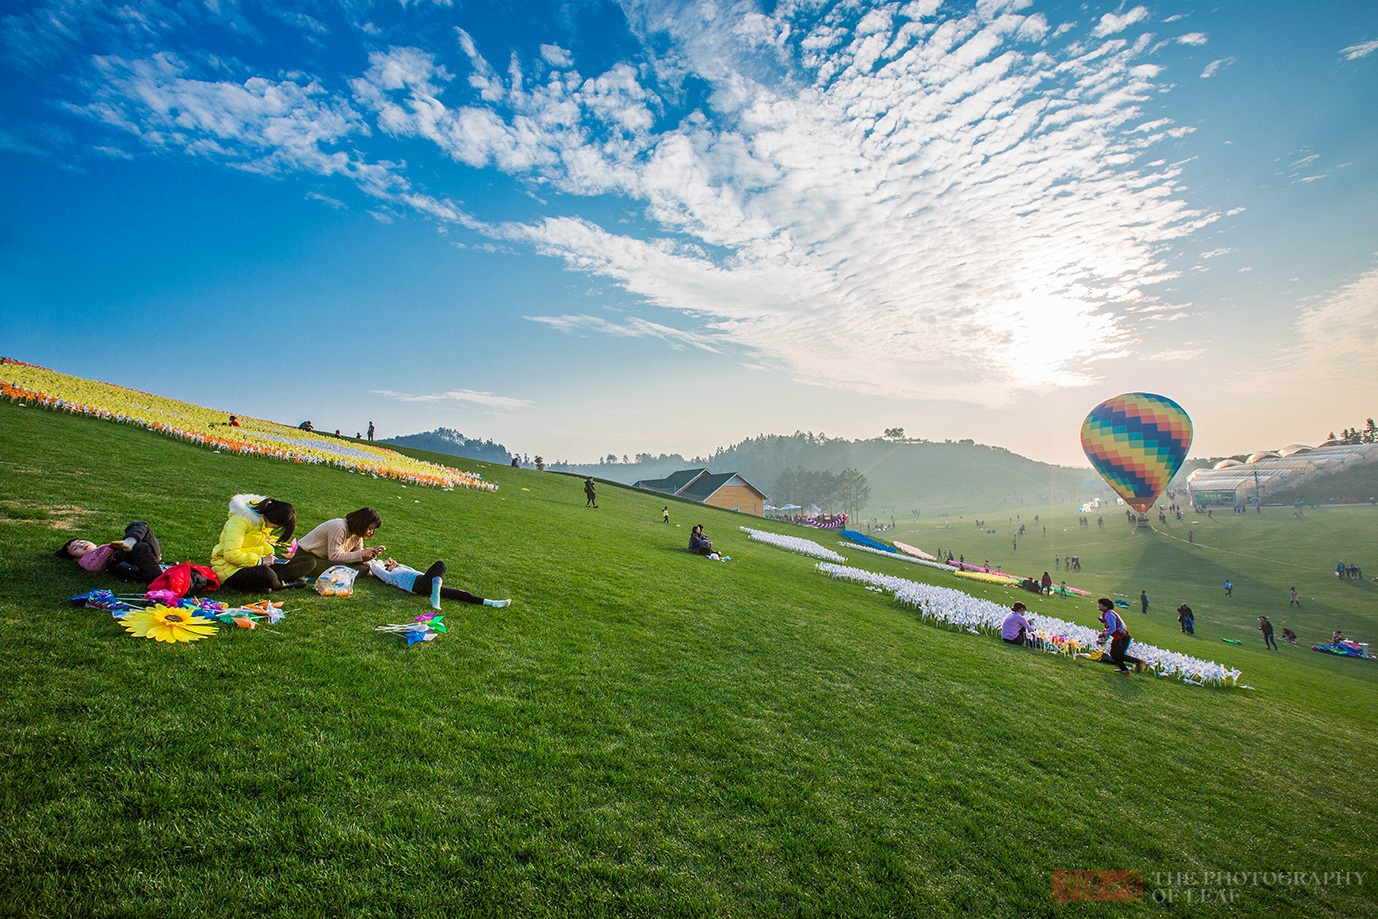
1137 442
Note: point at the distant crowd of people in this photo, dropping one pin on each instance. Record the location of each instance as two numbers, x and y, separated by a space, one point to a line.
309 427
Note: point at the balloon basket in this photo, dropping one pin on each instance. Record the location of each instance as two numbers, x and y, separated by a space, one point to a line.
1143 523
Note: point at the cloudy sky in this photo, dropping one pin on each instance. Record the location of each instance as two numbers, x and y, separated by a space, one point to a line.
582 228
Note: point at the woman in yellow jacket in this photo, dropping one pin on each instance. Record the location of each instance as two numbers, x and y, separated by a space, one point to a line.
245 558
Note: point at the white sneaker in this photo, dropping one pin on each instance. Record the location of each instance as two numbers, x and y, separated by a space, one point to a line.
497 604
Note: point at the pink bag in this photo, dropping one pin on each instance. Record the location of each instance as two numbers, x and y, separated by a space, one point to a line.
98 558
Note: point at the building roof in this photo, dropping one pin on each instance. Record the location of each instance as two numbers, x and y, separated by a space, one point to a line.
696 484
704 487
672 484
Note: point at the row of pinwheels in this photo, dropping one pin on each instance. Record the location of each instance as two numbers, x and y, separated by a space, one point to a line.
39 386
946 606
794 544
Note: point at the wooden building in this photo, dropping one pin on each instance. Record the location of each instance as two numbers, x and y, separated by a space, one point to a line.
727 490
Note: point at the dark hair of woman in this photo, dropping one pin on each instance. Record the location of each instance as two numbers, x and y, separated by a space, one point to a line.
358 522
281 515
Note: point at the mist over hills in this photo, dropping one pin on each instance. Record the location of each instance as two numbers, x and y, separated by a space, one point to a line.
904 475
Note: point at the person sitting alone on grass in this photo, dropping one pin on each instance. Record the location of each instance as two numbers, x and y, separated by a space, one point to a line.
136 558
341 541
245 559
1016 629
425 583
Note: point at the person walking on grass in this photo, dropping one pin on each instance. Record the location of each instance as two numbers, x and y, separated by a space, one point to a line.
590 493
1295 601
1266 628
1229 589
1143 601
1117 633
665 512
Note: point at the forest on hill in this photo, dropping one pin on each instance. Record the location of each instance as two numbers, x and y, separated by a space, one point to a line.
904 475
448 440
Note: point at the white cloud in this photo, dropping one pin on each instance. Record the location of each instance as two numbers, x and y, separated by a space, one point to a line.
1217 252
1178 355
335 203
1215 67
12 143
1192 38
895 201
1335 358
633 328
485 399
1362 49
554 54
1111 23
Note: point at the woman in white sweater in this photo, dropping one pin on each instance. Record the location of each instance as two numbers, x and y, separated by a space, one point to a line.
341 541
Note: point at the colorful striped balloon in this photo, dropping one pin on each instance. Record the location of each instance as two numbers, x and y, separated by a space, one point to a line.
1137 441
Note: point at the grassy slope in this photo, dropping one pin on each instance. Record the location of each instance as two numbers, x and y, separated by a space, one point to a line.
643 732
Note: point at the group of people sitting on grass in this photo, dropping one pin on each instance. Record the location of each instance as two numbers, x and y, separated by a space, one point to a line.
1017 630
700 544
246 557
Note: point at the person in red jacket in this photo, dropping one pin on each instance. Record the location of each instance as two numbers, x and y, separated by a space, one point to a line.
1118 635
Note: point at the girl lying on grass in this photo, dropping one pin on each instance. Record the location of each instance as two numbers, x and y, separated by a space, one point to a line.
425 583
136 558
244 558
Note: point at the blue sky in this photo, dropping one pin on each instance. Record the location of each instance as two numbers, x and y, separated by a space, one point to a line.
590 228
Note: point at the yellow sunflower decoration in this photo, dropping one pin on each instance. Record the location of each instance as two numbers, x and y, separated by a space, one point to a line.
166 623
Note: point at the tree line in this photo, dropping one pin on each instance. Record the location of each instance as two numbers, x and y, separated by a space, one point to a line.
845 492
1352 436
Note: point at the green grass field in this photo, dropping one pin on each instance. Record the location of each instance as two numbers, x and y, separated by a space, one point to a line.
648 733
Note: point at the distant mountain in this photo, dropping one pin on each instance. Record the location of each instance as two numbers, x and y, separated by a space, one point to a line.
904 475
448 440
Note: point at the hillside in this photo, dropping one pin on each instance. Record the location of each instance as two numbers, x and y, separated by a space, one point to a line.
644 732
451 442
903 476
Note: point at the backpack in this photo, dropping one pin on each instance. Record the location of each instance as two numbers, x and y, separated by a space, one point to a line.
184 580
